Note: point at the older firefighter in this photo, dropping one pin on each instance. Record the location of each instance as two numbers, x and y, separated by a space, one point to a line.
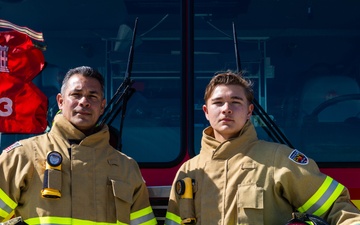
72 175
238 179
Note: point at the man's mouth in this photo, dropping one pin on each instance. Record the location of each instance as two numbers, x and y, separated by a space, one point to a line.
83 113
226 120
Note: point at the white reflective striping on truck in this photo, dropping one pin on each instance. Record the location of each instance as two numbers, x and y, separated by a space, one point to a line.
159 191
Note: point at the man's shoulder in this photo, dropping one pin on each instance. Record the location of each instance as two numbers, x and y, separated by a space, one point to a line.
285 154
23 143
191 163
274 147
123 158
12 147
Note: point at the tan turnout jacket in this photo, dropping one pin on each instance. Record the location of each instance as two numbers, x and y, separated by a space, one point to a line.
249 181
98 184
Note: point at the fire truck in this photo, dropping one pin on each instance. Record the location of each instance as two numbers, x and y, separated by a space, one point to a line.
303 57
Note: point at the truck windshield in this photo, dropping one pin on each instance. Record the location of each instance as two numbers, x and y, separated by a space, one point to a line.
303 56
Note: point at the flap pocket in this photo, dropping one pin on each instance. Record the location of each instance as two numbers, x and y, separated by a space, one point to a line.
122 190
250 204
250 196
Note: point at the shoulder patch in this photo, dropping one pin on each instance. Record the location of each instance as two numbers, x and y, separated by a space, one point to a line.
13 146
298 157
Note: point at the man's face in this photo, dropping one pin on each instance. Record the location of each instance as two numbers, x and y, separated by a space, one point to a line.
82 102
227 110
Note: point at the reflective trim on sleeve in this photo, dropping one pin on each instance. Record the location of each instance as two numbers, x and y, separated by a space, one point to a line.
172 219
7 205
143 216
9 216
324 197
356 203
51 220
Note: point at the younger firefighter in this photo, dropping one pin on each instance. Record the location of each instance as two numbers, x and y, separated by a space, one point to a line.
238 179
72 175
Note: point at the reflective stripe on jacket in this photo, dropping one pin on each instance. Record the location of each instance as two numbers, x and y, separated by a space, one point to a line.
144 216
324 197
7 206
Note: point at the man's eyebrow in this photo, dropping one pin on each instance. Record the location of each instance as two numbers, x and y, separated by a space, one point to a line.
95 92
215 99
75 90
237 97
232 97
91 92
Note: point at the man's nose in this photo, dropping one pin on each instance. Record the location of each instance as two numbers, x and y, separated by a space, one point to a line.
227 108
84 102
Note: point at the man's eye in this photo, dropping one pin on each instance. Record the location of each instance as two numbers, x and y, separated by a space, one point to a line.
93 96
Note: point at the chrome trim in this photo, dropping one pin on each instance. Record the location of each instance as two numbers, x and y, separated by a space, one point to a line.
159 191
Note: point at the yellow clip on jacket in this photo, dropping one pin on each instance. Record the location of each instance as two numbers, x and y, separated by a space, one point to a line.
248 181
99 185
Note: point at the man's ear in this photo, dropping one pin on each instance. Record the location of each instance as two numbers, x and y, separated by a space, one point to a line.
205 109
59 100
250 109
103 104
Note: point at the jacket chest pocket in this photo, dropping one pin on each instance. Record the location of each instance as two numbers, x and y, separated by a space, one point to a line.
120 200
250 204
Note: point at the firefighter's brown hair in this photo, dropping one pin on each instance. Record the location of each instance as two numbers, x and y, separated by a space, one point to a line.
230 78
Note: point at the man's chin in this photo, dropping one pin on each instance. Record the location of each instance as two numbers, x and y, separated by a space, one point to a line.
82 124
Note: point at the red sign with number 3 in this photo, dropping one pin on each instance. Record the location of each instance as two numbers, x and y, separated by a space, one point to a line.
23 107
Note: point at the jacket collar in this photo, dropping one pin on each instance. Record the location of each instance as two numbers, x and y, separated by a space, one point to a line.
63 128
210 147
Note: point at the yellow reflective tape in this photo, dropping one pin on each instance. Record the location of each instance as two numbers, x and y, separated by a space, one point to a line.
140 213
49 220
173 217
323 188
7 206
66 221
7 200
9 216
144 216
356 203
330 200
3 214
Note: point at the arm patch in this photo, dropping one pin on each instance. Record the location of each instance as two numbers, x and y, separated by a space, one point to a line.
298 157
13 146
